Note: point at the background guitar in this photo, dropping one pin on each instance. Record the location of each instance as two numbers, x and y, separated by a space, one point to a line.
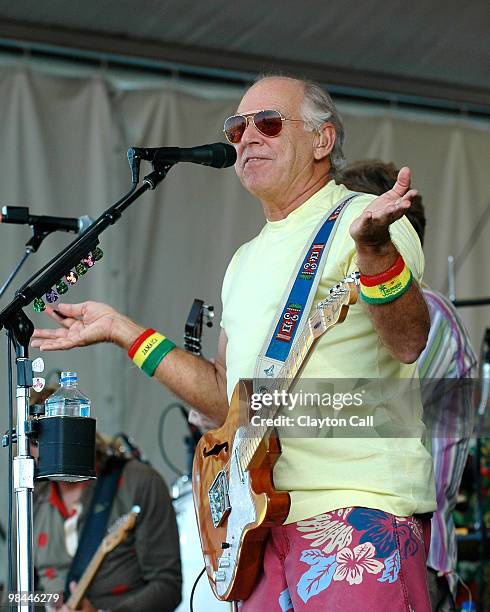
117 534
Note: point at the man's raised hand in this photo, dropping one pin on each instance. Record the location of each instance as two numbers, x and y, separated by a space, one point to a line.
371 228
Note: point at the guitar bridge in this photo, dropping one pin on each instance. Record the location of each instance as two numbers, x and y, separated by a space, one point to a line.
219 501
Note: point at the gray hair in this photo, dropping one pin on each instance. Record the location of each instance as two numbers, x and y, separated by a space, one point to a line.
317 108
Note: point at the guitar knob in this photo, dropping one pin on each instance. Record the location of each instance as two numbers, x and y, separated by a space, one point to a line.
225 545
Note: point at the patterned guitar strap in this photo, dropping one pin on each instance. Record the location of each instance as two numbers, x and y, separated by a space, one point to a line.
297 299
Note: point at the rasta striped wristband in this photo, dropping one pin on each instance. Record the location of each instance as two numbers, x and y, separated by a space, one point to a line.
149 349
387 286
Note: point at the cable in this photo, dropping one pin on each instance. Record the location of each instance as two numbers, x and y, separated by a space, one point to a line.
161 446
466 587
194 588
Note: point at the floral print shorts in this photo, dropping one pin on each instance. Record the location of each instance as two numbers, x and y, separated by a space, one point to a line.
351 559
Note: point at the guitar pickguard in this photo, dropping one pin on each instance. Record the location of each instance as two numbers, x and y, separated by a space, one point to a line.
241 513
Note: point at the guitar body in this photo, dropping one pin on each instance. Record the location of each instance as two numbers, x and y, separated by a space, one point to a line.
233 540
234 494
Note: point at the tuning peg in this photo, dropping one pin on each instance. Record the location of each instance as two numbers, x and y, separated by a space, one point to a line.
208 311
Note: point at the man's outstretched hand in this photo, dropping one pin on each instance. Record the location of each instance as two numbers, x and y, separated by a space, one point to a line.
84 324
371 228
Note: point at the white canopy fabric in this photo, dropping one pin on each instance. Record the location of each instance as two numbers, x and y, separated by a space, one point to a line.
437 48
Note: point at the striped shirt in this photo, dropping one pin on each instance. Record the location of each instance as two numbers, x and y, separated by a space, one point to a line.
449 411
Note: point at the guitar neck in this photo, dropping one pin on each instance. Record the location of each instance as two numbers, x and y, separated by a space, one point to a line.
327 313
86 579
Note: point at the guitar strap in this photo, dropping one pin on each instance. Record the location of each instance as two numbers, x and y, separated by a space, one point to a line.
95 525
298 297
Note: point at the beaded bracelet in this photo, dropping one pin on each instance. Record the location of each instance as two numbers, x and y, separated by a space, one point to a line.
149 349
387 286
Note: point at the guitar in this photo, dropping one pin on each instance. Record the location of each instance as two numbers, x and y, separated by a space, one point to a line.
232 483
117 534
194 324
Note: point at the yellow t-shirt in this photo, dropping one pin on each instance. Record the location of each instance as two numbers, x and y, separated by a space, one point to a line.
391 474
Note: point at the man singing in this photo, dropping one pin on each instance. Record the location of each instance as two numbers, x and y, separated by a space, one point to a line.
355 536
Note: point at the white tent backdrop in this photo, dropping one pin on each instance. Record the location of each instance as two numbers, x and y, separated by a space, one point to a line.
63 143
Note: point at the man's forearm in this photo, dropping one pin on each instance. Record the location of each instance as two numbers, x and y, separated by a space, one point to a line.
403 324
197 381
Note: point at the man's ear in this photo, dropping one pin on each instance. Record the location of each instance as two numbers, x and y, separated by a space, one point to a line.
324 141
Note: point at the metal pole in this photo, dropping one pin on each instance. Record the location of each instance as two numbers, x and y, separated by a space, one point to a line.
24 487
450 278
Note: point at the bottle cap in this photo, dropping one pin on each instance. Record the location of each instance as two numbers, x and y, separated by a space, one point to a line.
68 377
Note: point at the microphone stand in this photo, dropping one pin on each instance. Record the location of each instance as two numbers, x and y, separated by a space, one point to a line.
20 329
32 245
15 271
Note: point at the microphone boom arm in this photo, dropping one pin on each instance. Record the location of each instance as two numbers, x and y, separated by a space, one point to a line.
20 329
49 275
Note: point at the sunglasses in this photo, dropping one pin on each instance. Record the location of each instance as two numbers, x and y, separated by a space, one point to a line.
267 122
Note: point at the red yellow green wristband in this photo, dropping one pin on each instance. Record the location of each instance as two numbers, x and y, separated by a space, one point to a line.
149 349
378 279
388 286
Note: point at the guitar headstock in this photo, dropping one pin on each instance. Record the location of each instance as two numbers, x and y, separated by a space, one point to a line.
333 309
193 326
118 532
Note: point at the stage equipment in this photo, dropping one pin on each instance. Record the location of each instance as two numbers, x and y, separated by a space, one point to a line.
42 226
20 330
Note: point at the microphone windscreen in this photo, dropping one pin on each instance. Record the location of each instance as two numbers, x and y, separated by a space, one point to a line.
224 155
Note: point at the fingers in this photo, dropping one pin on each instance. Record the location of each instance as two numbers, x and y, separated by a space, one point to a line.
403 181
58 344
63 310
58 317
410 194
48 334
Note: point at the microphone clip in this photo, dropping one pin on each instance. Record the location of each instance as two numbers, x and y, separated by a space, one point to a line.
38 235
160 167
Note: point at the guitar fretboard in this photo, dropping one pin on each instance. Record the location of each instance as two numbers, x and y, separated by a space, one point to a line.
326 314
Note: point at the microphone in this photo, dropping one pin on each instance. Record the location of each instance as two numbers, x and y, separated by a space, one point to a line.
21 216
217 155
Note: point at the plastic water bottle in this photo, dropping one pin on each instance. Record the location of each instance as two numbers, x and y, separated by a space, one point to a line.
68 399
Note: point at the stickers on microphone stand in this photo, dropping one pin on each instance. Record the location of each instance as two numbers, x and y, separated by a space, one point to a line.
81 268
71 278
61 287
51 296
38 365
38 305
38 383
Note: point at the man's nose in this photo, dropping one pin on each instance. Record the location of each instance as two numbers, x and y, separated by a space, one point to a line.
251 133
